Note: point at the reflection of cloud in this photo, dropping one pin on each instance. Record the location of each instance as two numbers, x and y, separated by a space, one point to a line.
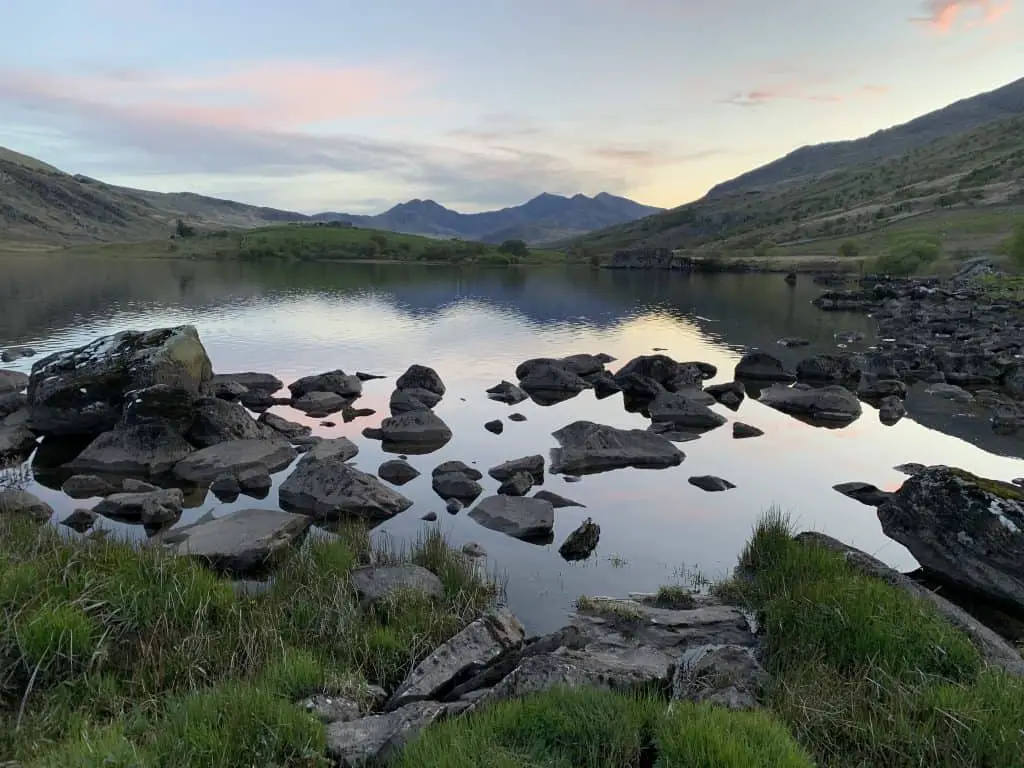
943 15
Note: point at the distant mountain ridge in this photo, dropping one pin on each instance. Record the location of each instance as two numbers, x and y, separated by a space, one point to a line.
545 218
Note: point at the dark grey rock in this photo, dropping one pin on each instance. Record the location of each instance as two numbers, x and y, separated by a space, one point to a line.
320 403
826 405
711 484
421 377
83 390
638 389
495 427
666 372
557 501
143 449
87 487
457 466
16 441
397 472
891 410
162 404
430 517
962 529
950 392
289 429
375 583
793 341
828 368
911 468
414 432
456 485
516 417
683 412
12 402
155 508
206 465
582 542
670 432
731 394
507 392
406 400
260 382
873 388
80 521
219 421
12 382
336 382
531 465
865 493
243 541
519 517
473 550
22 503
331 709
453 506
552 379
741 431
340 448
329 489
760 366
255 481
375 739
586 448
480 643
518 484
16 353
132 485
725 675
226 486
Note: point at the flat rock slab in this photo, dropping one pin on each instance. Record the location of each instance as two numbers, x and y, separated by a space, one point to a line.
87 487
289 429
340 448
557 501
152 508
320 402
587 448
684 412
250 380
517 516
532 465
711 484
336 382
373 583
377 738
475 646
823 405
330 489
143 449
243 541
205 466
865 493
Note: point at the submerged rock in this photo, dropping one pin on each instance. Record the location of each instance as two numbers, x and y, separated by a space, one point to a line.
825 405
243 541
531 465
581 543
413 432
741 431
517 516
374 583
557 501
711 484
964 530
507 392
336 382
87 487
144 449
760 366
865 493
83 390
205 466
683 412
587 448
160 507
397 472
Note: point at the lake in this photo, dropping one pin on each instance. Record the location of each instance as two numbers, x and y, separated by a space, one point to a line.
474 326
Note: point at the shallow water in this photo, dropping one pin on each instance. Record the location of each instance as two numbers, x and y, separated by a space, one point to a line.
474 326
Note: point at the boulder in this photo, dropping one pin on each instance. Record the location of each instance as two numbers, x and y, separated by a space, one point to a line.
554 381
456 485
638 388
16 441
507 392
319 403
23 503
241 542
964 530
16 353
950 392
725 675
828 368
330 489
87 487
413 432
711 484
83 390
520 484
587 448
495 427
670 432
865 493
289 429
340 448
80 521
259 382
457 466
132 485
557 501
531 465
453 506
760 366
730 395
604 385
144 449
226 390
873 388
397 472
668 373
376 739
374 583
480 643
741 431
12 382
336 382
581 543
517 516
155 508
12 402
406 400
205 466
825 405
219 421
226 487
331 709
163 404
421 377
891 410
255 481
683 412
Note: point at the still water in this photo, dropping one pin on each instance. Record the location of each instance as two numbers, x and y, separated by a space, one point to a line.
474 326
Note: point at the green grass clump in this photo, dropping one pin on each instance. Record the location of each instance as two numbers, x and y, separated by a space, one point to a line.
124 652
674 597
864 674
589 728
614 609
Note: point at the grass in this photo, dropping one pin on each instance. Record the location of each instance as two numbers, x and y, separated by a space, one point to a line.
598 729
866 675
112 655
615 609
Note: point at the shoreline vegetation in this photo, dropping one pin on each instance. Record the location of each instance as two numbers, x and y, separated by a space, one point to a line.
119 655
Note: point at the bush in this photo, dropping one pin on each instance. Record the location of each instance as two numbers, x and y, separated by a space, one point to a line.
908 257
516 248
849 250
1015 245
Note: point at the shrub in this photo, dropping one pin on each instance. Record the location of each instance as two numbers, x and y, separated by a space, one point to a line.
849 249
1015 245
516 248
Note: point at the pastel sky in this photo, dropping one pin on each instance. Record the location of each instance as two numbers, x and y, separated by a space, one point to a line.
340 105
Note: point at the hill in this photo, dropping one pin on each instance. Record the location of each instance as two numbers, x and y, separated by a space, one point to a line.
962 189
43 205
543 219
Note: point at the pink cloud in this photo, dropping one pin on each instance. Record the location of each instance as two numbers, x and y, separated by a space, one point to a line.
260 95
793 91
944 15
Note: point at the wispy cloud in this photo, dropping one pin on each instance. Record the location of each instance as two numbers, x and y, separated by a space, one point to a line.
945 15
648 157
792 91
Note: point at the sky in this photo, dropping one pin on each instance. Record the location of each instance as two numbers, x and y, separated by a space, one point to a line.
315 105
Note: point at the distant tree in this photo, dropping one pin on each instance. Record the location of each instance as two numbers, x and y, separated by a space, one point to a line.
181 229
380 239
1016 245
849 249
517 248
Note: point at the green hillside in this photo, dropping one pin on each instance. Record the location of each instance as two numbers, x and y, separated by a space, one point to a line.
966 189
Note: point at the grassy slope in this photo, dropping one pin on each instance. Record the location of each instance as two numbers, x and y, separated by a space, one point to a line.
967 187
115 656
317 242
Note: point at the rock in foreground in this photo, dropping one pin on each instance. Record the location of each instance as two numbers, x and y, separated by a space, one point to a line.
230 458
579 544
374 583
965 530
144 449
329 489
377 738
517 516
587 448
